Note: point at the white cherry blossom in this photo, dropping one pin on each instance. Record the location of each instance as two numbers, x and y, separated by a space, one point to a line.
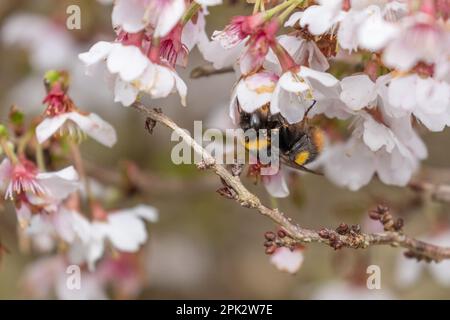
90 123
252 92
426 98
287 260
135 15
321 18
24 177
276 184
296 91
124 230
304 52
393 153
421 38
134 72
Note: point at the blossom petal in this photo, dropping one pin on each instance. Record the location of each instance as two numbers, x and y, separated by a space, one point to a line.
164 83
49 126
286 260
395 168
399 55
146 212
374 33
168 17
125 231
351 165
96 53
129 15
377 135
327 79
125 92
276 185
128 61
220 57
95 127
61 183
293 19
397 89
358 91
255 90
181 87
5 172
320 18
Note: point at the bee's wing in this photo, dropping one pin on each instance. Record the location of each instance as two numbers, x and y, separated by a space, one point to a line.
285 159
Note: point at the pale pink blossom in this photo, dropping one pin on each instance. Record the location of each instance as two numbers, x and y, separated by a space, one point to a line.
135 15
230 45
428 100
237 31
393 151
257 48
297 89
252 92
134 72
323 17
303 52
275 183
123 229
24 178
421 38
366 29
287 260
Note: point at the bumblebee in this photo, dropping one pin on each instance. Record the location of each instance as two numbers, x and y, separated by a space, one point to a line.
299 143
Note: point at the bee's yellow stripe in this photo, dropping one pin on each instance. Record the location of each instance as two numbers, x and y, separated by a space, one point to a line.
301 157
257 144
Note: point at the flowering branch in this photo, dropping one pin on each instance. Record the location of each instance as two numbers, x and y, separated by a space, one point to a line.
293 234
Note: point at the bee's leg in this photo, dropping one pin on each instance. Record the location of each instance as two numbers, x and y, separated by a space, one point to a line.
309 109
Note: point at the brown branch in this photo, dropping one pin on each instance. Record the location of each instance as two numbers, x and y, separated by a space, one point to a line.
208 70
295 234
437 192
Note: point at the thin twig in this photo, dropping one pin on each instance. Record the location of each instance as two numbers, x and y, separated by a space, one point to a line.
295 233
208 70
437 192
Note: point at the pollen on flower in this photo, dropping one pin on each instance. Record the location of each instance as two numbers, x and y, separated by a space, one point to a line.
265 89
71 130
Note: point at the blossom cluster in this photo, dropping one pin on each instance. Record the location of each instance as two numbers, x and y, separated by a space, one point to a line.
287 55
367 73
58 211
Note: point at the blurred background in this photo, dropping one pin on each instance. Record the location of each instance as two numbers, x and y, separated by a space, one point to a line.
205 246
